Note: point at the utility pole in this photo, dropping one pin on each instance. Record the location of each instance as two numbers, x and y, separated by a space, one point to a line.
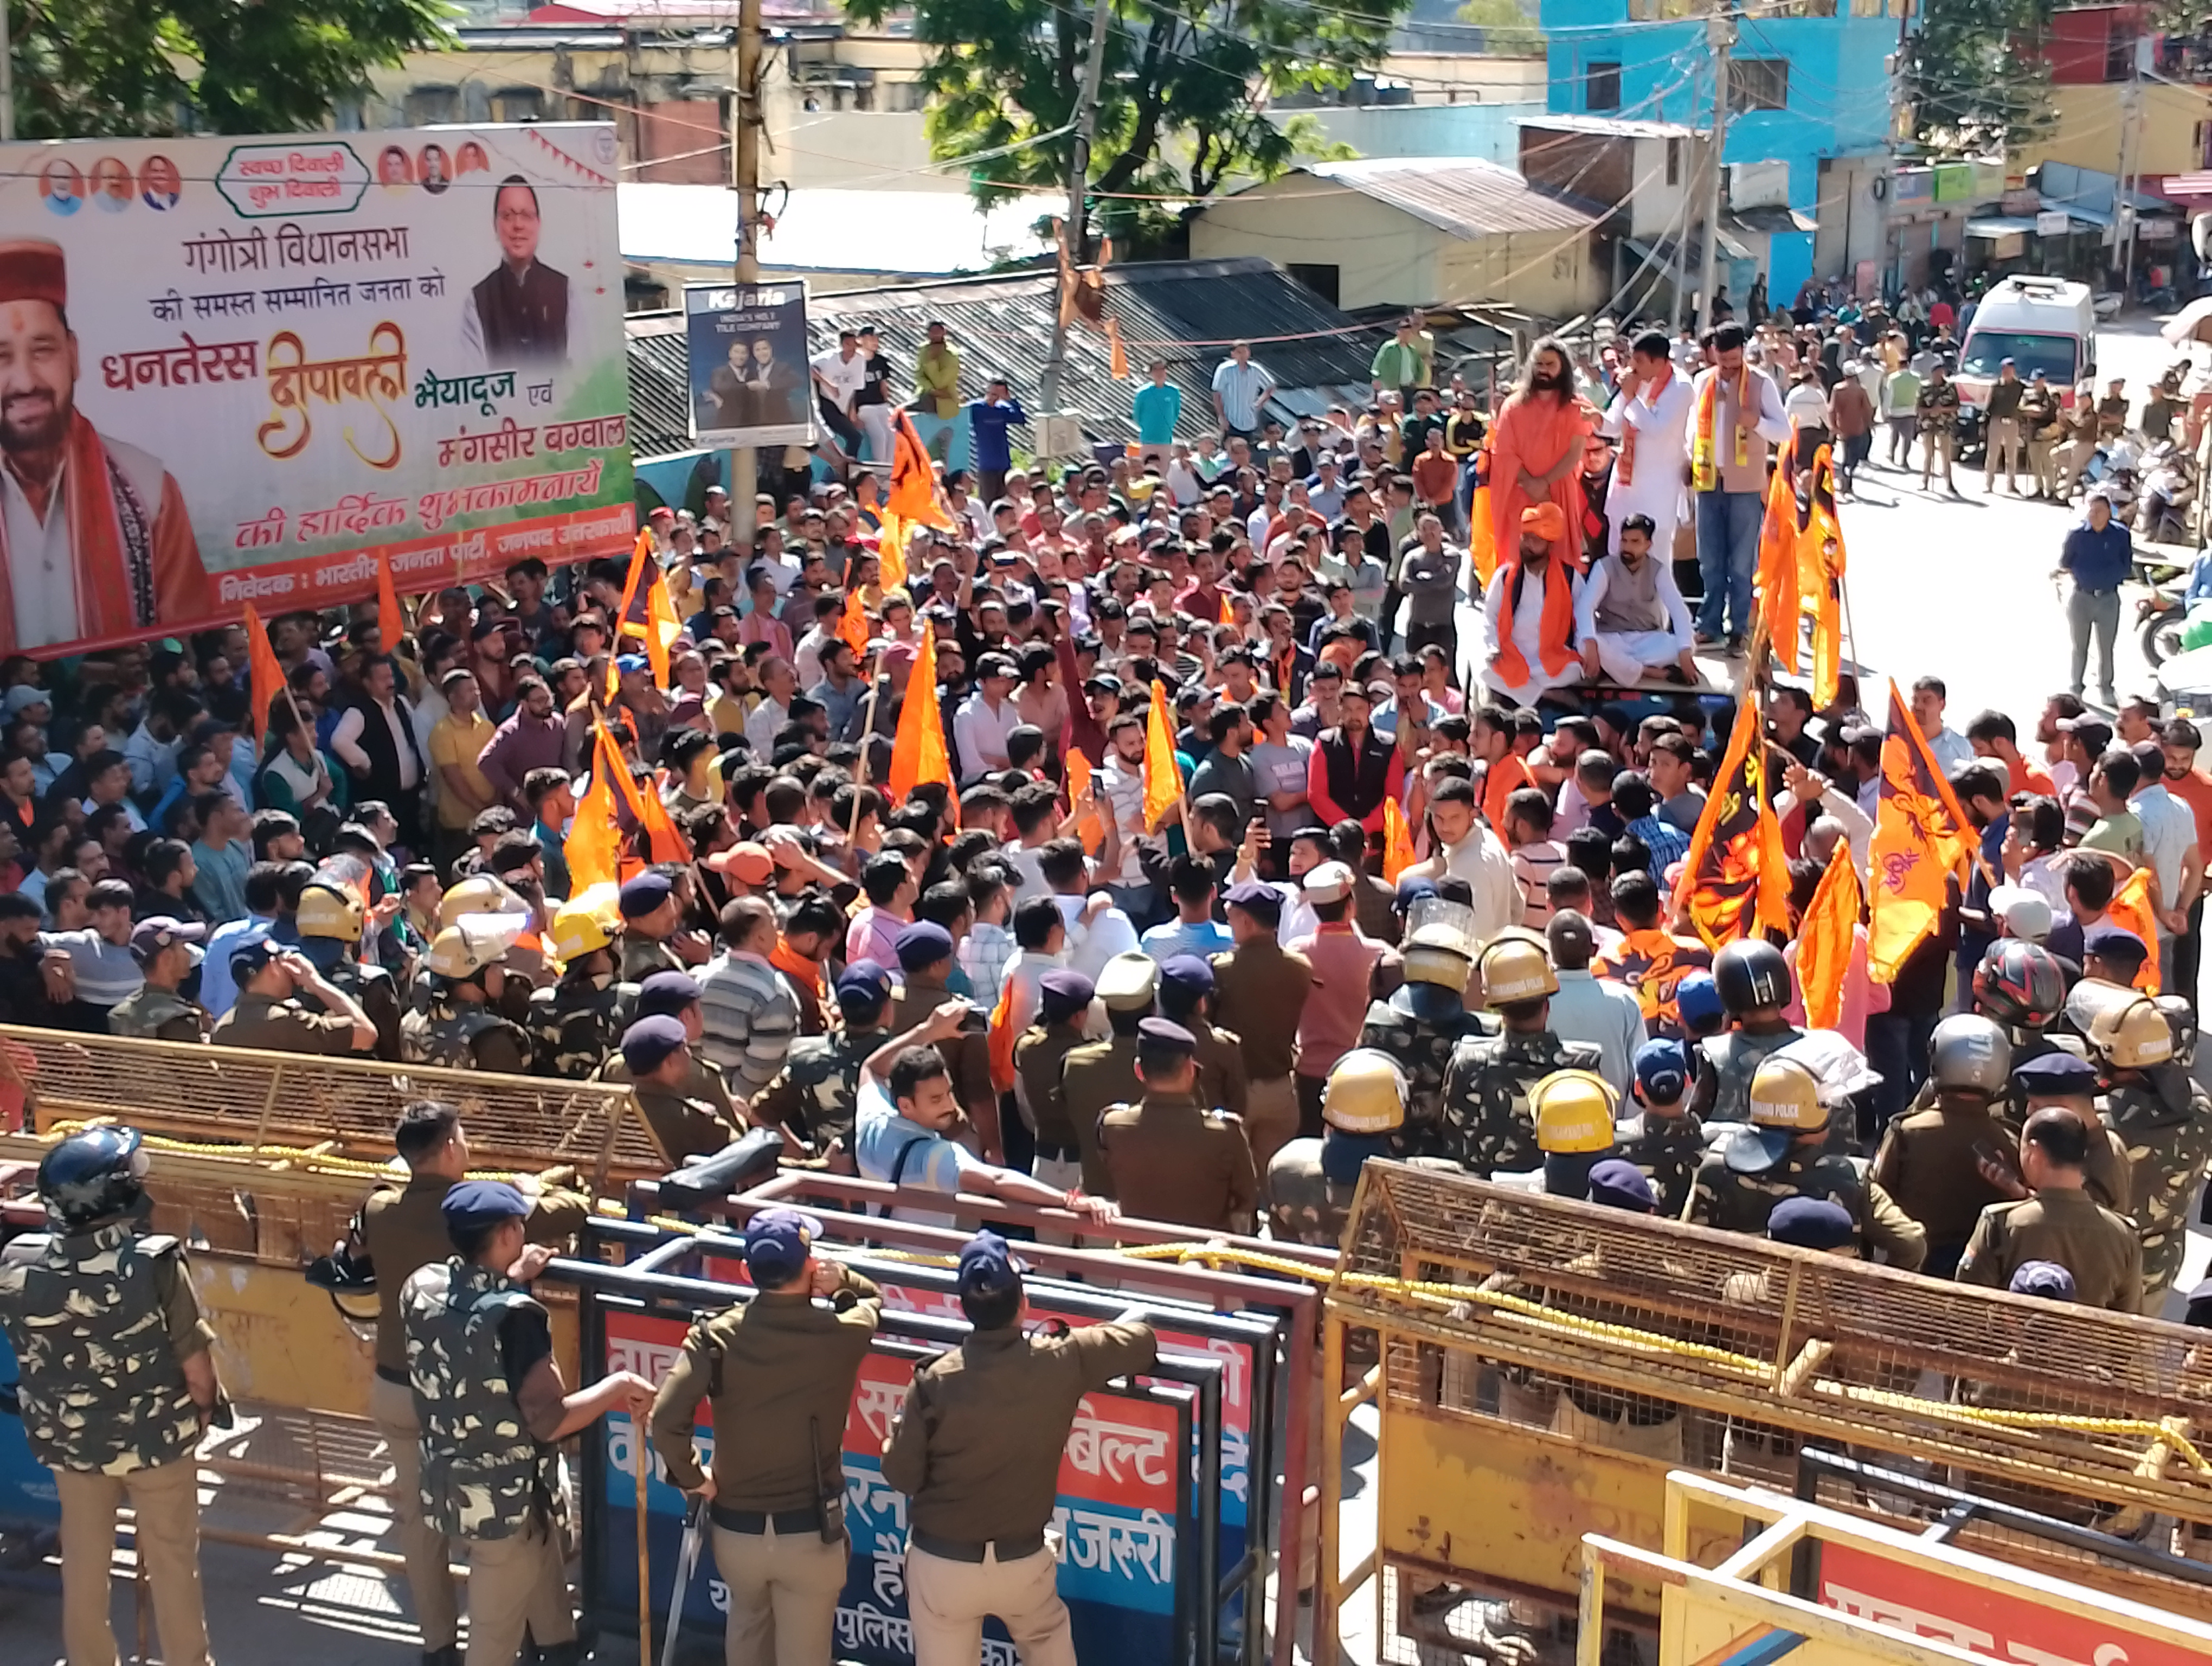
1720 34
745 117
7 77
2123 211
1078 186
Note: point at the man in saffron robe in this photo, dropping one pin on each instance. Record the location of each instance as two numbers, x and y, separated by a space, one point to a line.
94 541
1529 611
1536 447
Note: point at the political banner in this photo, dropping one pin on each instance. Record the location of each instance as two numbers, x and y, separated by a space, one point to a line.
750 383
243 369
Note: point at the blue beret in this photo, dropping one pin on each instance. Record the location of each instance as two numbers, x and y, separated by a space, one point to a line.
665 994
2042 1278
649 1042
1256 898
1188 974
2060 1074
1164 1033
1619 1184
475 1204
1663 1070
778 1243
865 984
986 1265
627 663
923 944
1063 993
2116 942
645 893
1411 890
1811 1222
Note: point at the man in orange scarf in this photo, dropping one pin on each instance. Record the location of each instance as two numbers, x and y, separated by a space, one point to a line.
1530 611
94 542
1735 415
1536 448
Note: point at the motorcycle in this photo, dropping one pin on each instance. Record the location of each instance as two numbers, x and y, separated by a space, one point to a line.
2161 618
2169 489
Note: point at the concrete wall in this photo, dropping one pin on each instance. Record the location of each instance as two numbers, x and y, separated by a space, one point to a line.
1853 222
2170 132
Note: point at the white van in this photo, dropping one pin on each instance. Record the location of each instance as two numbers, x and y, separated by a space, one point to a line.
2044 324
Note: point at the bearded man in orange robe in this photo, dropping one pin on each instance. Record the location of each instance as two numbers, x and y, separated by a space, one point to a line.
1536 448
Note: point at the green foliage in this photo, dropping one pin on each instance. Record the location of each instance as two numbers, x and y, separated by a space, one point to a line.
1508 29
1976 83
88 68
1183 107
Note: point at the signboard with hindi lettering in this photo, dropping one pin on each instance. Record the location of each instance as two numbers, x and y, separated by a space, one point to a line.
1124 1493
750 381
242 368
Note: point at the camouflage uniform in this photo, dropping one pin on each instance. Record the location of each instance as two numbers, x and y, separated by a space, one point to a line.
1668 1149
641 957
814 1094
158 1014
1487 1126
1304 1205
577 1024
372 986
101 1321
2165 1121
1731 1060
460 1036
1721 1198
1423 1049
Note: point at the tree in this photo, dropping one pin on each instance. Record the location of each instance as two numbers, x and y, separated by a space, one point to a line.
1183 109
91 68
1976 77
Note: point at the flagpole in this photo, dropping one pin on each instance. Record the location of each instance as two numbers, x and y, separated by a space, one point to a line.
867 746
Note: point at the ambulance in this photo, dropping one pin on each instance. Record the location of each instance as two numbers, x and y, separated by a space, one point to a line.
2044 324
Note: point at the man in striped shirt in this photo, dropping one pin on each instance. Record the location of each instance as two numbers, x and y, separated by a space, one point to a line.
750 1012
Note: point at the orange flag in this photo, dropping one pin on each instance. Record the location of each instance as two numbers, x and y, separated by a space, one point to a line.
662 627
662 837
852 624
1088 828
1819 566
1000 1039
2131 908
1481 535
264 676
594 845
890 553
1163 785
1735 879
1825 937
1228 613
391 622
918 748
1919 839
1777 578
1397 841
641 553
911 495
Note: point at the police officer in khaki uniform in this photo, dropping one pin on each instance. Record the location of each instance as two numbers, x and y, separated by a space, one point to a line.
1172 1157
167 951
266 1015
2064 1079
676 995
2055 1219
1100 1074
118 1385
1930 1160
399 1232
1064 998
459 1027
494 1412
1187 997
658 1056
977 1449
778 1372
1259 993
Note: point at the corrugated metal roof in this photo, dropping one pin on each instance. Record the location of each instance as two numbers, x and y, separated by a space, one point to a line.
1185 312
1460 195
1614 126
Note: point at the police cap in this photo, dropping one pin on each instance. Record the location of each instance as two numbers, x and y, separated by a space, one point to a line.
1619 1184
476 1204
650 1043
923 944
2042 1278
987 1266
641 896
2057 1076
666 994
1165 1036
1186 974
777 1244
1810 1223
1663 1071
2118 944
1262 902
865 985
1062 993
1128 982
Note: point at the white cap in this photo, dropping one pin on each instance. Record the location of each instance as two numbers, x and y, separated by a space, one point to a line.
1328 882
2026 913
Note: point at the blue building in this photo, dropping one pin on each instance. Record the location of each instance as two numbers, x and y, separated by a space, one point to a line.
1806 87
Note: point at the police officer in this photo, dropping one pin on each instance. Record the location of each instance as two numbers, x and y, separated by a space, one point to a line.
494 1412
676 995
2020 988
1752 980
168 953
1930 1160
650 921
1102 1074
2055 1219
1187 998
117 1385
268 974
399 1232
1064 998
330 919
1664 1140
1487 1125
459 1027
1260 993
577 1023
812 1097
1310 1181
2068 1081
1172 1158
657 1055
1574 1114
2161 1116
1784 1153
1424 1019
777 1372
977 1448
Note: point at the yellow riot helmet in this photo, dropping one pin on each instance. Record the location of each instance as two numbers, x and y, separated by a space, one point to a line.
1514 967
1365 1093
327 911
472 943
2131 1034
586 921
1785 1103
1573 1111
480 894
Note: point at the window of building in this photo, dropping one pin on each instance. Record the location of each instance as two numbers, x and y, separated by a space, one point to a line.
1601 87
1673 161
518 104
427 107
1324 281
1758 83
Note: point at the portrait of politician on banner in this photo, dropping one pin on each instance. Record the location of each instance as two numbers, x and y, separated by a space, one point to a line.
747 350
257 368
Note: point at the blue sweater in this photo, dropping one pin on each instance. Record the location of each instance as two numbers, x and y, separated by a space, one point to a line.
2097 560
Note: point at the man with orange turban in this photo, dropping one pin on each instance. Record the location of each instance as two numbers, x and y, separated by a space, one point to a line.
94 542
1529 612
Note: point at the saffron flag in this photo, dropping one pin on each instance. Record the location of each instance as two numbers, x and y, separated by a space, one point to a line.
391 622
1481 537
264 676
1735 879
1088 827
1397 841
1825 938
1162 784
640 555
1919 840
1821 579
662 627
1228 613
1000 1039
911 495
918 748
1777 580
662 837
852 625
594 845
2131 908
890 553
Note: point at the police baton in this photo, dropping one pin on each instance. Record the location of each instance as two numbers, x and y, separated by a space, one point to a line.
687 1560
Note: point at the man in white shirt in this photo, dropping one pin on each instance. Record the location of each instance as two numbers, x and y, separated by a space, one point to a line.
1628 614
985 718
1650 418
1468 850
2169 832
838 375
1951 750
778 682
